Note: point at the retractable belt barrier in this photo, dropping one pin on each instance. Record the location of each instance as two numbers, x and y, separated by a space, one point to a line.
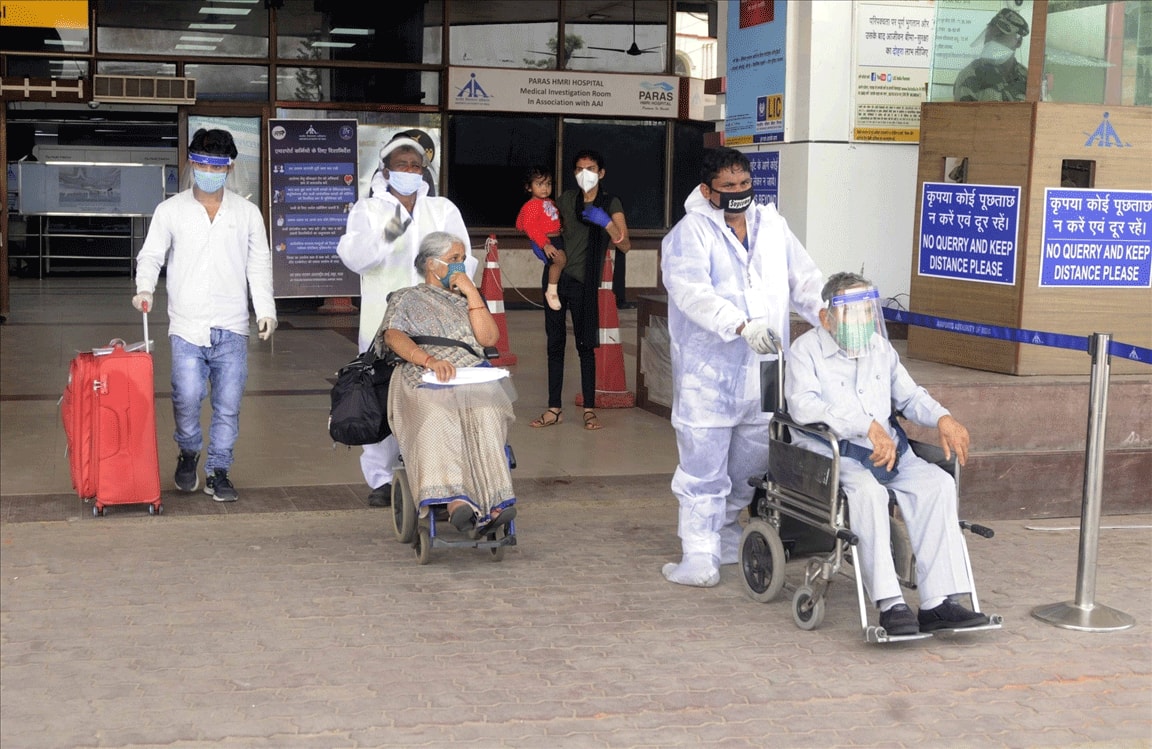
1083 613
1017 335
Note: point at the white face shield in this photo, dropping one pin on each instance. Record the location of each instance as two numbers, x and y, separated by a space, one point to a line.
857 320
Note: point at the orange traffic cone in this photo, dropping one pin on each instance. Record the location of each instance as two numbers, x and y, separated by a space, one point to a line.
611 384
493 290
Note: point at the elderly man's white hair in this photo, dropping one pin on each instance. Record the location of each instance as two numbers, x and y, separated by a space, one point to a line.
839 282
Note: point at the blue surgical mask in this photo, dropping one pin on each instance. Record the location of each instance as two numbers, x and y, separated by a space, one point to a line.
453 268
405 183
209 181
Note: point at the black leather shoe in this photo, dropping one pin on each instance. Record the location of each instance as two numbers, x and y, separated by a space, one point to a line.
381 496
949 615
899 620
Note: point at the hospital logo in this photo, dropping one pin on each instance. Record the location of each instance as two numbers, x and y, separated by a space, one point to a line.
471 89
1105 136
661 91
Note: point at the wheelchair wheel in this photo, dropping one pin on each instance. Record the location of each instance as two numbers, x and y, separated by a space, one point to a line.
424 546
403 509
807 612
498 553
761 560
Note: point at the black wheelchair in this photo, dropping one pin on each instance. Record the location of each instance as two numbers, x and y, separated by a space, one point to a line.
801 492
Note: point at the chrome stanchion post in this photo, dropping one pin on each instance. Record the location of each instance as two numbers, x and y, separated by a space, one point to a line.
1084 613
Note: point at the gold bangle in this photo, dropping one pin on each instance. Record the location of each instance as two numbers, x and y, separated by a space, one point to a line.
473 309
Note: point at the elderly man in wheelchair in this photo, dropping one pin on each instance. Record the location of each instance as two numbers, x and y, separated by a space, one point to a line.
847 376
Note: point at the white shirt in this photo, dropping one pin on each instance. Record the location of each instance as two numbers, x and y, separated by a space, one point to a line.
211 265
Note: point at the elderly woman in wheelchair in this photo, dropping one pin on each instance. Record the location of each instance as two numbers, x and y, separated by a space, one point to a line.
844 384
450 411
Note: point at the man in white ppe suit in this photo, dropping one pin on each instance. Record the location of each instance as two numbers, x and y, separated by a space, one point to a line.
380 243
847 375
732 270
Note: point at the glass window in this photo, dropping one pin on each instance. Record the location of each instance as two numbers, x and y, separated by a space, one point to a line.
229 82
633 153
46 67
617 37
1093 53
375 85
696 41
212 28
687 159
488 156
136 68
980 52
397 31
525 36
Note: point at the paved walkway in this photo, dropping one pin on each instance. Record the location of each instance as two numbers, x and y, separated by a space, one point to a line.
318 629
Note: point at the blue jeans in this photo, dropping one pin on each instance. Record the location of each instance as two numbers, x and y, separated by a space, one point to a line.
224 364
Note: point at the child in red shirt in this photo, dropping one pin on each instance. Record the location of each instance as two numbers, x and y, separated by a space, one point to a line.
540 220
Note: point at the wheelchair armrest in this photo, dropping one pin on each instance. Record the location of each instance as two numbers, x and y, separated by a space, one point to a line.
932 454
816 429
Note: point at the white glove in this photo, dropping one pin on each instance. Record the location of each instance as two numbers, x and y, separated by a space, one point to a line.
266 326
760 337
143 301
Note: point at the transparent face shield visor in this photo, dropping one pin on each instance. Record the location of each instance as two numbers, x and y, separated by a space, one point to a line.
857 321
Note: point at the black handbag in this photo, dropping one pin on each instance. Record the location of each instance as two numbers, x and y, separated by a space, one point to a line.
359 410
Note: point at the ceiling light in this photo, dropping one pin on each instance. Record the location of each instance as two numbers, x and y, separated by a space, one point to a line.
337 45
64 43
226 11
597 17
353 32
211 26
197 38
197 47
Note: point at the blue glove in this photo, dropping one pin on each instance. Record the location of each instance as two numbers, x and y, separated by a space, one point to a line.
596 215
538 250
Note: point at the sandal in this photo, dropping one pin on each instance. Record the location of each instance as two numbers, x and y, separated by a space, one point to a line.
591 422
557 415
503 517
463 518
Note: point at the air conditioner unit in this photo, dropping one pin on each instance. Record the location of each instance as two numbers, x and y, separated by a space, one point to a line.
131 89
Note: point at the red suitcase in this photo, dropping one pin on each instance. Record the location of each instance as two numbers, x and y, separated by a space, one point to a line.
109 413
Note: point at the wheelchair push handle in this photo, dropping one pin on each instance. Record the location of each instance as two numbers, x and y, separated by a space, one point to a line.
979 530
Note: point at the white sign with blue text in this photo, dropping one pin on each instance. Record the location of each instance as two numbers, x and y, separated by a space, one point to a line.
968 232
1096 238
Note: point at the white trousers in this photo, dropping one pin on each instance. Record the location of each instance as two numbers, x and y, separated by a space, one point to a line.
376 461
711 482
926 495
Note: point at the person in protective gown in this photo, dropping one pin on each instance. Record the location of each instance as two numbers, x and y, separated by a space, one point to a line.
733 270
380 243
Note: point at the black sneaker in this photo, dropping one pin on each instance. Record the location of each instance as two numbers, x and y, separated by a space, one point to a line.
220 487
187 479
949 615
899 620
381 496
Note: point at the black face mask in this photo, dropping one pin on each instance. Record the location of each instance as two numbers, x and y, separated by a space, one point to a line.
734 202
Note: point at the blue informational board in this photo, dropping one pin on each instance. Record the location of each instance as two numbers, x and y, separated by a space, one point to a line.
968 232
1097 238
313 182
756 46
765 177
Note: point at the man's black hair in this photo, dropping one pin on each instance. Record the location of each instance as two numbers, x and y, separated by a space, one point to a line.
535 172
717 160
213 143
588 153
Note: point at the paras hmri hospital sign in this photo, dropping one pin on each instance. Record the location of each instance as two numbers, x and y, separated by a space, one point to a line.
562 92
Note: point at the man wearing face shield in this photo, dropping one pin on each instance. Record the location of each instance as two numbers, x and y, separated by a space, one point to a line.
846 374
216 248
380 243
733 269
996 75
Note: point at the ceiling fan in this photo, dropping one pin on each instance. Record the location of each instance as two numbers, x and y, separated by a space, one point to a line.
634 50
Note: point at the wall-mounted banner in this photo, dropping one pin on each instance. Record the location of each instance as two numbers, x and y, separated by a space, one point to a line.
563 92
765 177
1097 238
968 232
893 55
755 81
313 183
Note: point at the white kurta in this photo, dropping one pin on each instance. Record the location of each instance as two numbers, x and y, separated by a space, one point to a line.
848 395
714 286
